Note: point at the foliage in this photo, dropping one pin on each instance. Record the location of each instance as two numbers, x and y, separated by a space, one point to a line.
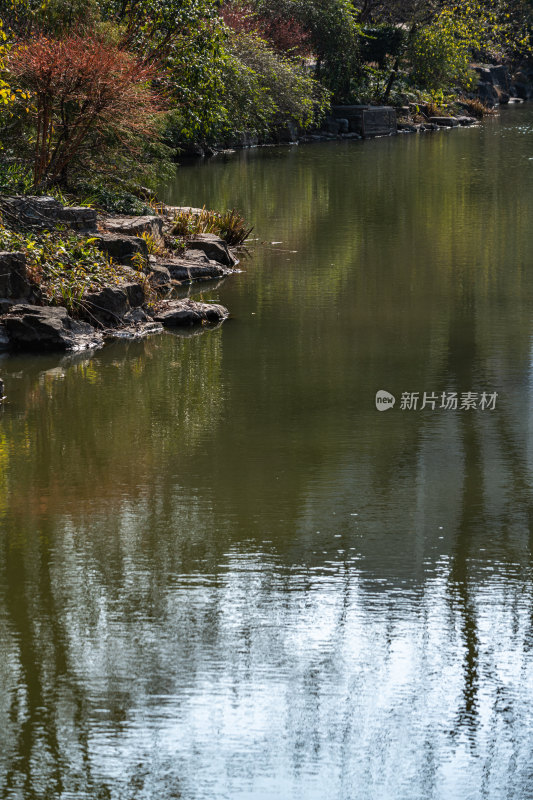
334 38
260 91
230 226
86 93
6 92
155 247
284 33
29 18
109 197
63 265
184 40
440 52
380 42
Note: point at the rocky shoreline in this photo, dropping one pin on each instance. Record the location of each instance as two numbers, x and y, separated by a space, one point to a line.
497 86
141 302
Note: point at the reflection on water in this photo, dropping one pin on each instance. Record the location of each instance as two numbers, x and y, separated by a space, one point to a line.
224 574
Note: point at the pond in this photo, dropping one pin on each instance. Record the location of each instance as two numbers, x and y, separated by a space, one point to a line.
224 572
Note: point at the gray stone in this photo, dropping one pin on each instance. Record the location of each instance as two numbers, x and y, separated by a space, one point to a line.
464 120
135 294
47 212
78 218
158 275
47 328
214 247
13 278
344 125
445 122
186 313
188 268
121 248
487 93
136 226
106 305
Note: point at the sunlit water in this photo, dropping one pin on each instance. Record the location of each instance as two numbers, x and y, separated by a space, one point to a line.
224 573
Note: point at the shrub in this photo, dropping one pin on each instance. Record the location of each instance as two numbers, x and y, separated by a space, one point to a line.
87 95
230 226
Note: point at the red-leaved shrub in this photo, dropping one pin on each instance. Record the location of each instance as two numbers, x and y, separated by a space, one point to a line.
85 94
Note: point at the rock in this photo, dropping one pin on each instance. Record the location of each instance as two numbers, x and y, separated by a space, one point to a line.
13 278
78 218
193 266
214 247
444 122
121 248
344 125
487 93
158 275
173 210
47 328
136 226
107 305
187 313
47 212
137 325
135 294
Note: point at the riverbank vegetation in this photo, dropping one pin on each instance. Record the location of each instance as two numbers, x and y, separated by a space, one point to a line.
98 97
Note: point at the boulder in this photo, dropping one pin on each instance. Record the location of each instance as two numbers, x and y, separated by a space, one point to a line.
444 122
79 218
135 294
122 249
185 313
13 278
107 305
344 125
407 127
487 93
48 328
136 226
47 212
158 275
214 247
189 268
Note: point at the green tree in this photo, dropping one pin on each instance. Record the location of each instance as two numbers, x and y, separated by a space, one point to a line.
334 33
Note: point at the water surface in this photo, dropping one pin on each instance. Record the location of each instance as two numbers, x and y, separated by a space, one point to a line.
224 573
